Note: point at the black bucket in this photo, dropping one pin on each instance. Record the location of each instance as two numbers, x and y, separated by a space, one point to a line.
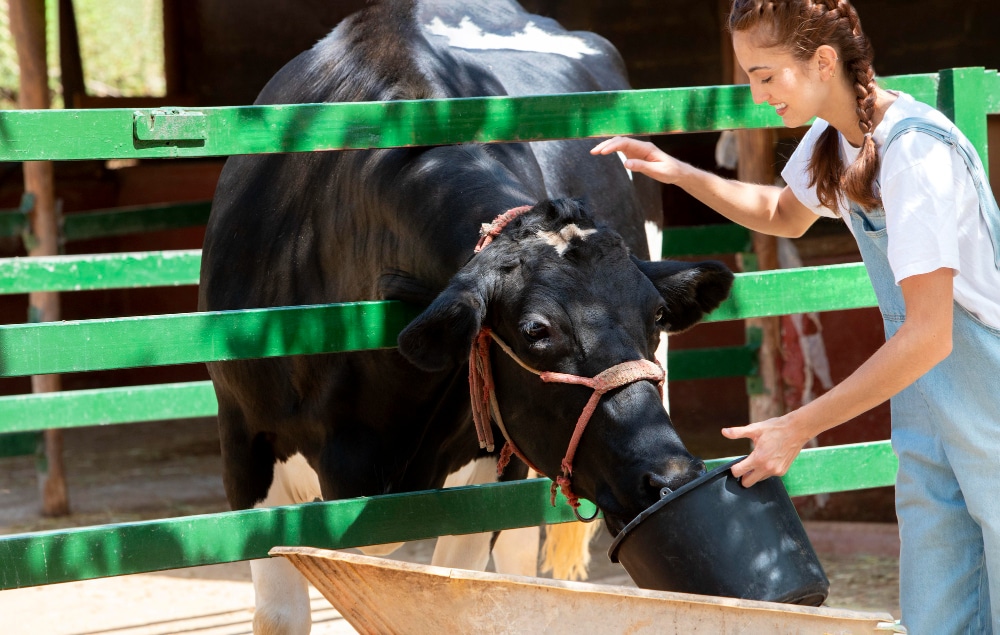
713 536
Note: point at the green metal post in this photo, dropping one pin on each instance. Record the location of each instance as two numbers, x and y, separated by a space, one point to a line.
962 97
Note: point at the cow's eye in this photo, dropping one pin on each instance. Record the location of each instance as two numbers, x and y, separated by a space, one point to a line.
660 317
534 331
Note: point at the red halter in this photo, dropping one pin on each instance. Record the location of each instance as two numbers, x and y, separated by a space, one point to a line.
484 400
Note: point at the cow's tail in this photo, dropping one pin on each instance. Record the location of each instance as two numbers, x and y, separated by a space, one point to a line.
566 550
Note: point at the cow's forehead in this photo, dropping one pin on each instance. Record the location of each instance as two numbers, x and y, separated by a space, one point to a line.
573 266
560 240
589 246
468 35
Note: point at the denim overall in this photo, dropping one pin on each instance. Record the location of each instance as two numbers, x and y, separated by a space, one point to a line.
946 433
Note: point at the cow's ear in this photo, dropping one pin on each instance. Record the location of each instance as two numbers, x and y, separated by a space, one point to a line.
441 336
690 289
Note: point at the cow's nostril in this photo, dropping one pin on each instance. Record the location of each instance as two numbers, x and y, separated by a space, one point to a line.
676 473
660 485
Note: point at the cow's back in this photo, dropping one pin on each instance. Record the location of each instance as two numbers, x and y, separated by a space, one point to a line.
281 217
525 54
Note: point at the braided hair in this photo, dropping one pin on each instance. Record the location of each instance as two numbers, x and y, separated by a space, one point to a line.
801 27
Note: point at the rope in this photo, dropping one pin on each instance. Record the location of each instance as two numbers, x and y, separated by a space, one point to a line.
485 403
489 231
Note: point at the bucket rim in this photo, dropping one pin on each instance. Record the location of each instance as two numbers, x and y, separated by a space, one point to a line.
658 505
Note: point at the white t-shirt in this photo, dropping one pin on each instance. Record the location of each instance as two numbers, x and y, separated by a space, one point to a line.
931 207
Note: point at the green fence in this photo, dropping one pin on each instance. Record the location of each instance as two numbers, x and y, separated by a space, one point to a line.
968 95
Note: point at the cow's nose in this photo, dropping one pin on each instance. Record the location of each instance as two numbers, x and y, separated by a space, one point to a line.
677 472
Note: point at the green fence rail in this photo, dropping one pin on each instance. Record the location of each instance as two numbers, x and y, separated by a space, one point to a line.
189 400
118 221
966 95
105 406
100 271
87 345
172 132
91 552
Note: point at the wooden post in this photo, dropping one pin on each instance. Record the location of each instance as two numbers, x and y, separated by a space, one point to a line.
27 25
172 47
70 63
756 165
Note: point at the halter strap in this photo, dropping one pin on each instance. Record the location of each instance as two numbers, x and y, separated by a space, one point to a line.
485 405
489 231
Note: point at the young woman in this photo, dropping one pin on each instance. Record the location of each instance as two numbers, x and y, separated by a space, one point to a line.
913 192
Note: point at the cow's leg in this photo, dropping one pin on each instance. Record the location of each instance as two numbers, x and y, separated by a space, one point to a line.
515 550
469 551
281 593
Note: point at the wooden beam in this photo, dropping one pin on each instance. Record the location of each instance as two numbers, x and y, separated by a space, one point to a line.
173 47
70 62
27 25
756 165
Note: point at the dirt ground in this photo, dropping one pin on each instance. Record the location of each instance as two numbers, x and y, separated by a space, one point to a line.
159 470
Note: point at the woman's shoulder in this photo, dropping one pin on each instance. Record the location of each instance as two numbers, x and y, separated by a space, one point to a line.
910 154
905 107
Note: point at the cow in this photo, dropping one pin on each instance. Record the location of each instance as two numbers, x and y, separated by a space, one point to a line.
524 259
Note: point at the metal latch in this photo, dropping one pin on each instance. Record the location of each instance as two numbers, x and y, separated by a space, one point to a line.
170 124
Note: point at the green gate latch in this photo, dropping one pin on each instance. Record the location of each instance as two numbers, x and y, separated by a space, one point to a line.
170 124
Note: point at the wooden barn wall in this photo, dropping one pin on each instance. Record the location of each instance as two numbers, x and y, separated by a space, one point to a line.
231 47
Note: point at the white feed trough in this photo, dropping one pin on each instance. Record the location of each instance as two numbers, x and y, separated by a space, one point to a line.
381 596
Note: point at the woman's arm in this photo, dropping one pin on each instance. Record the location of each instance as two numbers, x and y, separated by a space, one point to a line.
764 208
922 341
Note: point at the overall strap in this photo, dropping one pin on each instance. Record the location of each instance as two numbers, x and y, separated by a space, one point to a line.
954 137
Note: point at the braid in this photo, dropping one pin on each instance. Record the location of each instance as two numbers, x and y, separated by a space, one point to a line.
801 27
859 178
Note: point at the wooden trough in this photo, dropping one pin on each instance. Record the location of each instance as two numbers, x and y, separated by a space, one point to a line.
382 596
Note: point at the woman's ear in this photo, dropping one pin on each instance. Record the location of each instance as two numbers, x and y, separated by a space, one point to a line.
827 60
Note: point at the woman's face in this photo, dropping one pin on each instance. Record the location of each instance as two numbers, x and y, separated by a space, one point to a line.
793 88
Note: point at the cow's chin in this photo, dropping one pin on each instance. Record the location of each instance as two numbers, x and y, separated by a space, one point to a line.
615 524
618 513
616 516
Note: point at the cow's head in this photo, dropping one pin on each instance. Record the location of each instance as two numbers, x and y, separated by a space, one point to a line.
567 297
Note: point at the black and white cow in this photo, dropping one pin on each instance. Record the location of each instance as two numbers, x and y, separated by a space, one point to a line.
564 284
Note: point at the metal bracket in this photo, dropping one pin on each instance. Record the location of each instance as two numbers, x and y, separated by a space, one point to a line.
754 382
27 206
170 124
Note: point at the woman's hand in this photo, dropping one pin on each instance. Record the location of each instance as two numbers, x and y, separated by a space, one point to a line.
924 339
643 157
776 443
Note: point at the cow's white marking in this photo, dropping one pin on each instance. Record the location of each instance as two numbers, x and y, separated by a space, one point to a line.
560 240
467 35
282 594
621 155
654 238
